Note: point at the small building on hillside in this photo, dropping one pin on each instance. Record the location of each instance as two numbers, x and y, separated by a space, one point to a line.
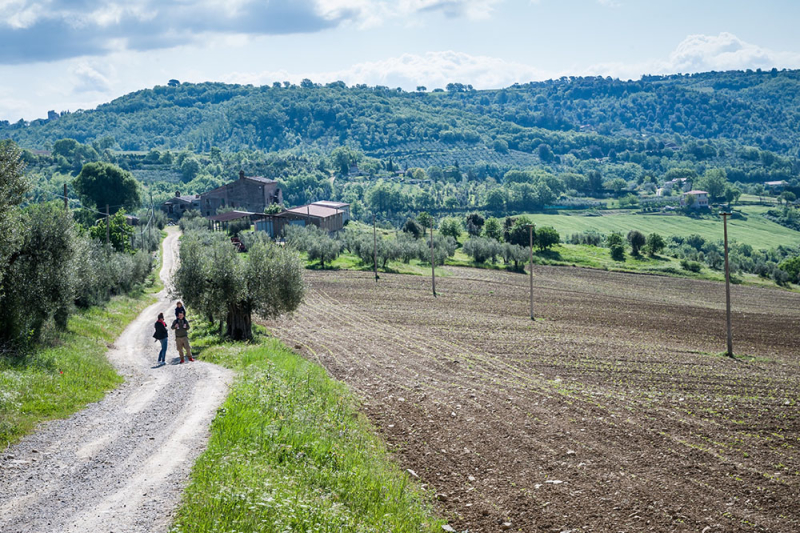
327 218
775 186
176 206
700 199
248 193
341 206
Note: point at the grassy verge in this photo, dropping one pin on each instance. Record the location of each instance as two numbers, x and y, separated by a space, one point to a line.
289 452
57 380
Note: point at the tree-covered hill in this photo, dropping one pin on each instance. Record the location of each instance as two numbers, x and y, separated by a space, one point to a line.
591 117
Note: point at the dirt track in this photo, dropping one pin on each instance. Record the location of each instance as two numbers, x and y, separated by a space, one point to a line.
609 414
119 465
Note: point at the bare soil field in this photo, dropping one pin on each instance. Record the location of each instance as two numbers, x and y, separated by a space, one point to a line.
612 412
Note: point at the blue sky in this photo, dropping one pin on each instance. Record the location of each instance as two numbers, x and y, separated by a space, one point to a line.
76 54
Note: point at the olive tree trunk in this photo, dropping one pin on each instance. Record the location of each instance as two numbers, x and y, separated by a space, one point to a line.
239 321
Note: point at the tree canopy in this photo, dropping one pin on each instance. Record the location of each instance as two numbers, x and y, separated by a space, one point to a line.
100 184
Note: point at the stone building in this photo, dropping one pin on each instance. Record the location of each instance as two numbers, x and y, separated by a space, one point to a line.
248 193
176 206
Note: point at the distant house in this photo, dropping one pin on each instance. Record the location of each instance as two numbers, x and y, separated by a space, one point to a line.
700 199
341 206
248 193
176 206
327 218
677 182
775 186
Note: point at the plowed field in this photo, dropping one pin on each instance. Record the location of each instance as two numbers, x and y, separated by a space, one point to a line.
613 412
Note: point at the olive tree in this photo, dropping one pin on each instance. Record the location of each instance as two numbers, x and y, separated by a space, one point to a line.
39 284
13 187
637 240
223 284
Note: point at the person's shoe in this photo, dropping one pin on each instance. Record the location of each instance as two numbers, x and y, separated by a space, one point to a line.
192 360
182 361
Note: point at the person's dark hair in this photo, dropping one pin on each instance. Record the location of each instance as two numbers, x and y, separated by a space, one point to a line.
180 313
161 316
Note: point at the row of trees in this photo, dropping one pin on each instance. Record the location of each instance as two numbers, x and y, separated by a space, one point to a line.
50 264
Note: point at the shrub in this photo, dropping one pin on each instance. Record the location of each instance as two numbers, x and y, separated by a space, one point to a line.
655 243
637 240
691 266
481 249
546 237
590 238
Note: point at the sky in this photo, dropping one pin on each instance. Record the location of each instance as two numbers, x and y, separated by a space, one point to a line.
76 54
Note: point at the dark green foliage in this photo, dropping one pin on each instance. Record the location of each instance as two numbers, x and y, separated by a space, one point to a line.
451 227
475 224
519 233
546 237
493 229
617 246
655 243
792 268
691 266
101 184
13 187
119 229
412 228
637 240
591 238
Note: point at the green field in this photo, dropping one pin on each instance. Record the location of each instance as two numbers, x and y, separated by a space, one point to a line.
749 228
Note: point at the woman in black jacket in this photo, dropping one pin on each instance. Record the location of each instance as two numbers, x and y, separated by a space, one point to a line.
161 334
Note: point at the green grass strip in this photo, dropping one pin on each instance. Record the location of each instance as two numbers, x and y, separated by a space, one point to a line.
71 370
290 452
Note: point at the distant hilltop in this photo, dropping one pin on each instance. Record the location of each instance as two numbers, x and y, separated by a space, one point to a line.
753 108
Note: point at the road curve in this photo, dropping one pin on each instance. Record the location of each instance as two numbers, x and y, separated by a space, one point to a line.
121 464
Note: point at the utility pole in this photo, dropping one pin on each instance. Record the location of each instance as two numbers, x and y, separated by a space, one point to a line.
530 238
152 216
375 248
108 226
727 284
66 200
433 263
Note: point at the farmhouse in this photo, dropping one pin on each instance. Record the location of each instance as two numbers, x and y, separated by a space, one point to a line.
775 186
341 206
248 193
700 199
179 204
324 217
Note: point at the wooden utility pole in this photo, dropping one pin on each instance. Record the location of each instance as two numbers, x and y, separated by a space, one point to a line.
108 226
66 200
375 248
727 284
152 217
530 237
433 263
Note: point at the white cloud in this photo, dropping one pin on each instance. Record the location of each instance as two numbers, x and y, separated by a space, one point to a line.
702 53
89 78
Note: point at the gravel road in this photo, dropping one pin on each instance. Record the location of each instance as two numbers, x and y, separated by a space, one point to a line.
119 465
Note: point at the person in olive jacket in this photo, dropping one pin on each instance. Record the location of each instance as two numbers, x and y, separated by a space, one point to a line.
181 327
162 335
